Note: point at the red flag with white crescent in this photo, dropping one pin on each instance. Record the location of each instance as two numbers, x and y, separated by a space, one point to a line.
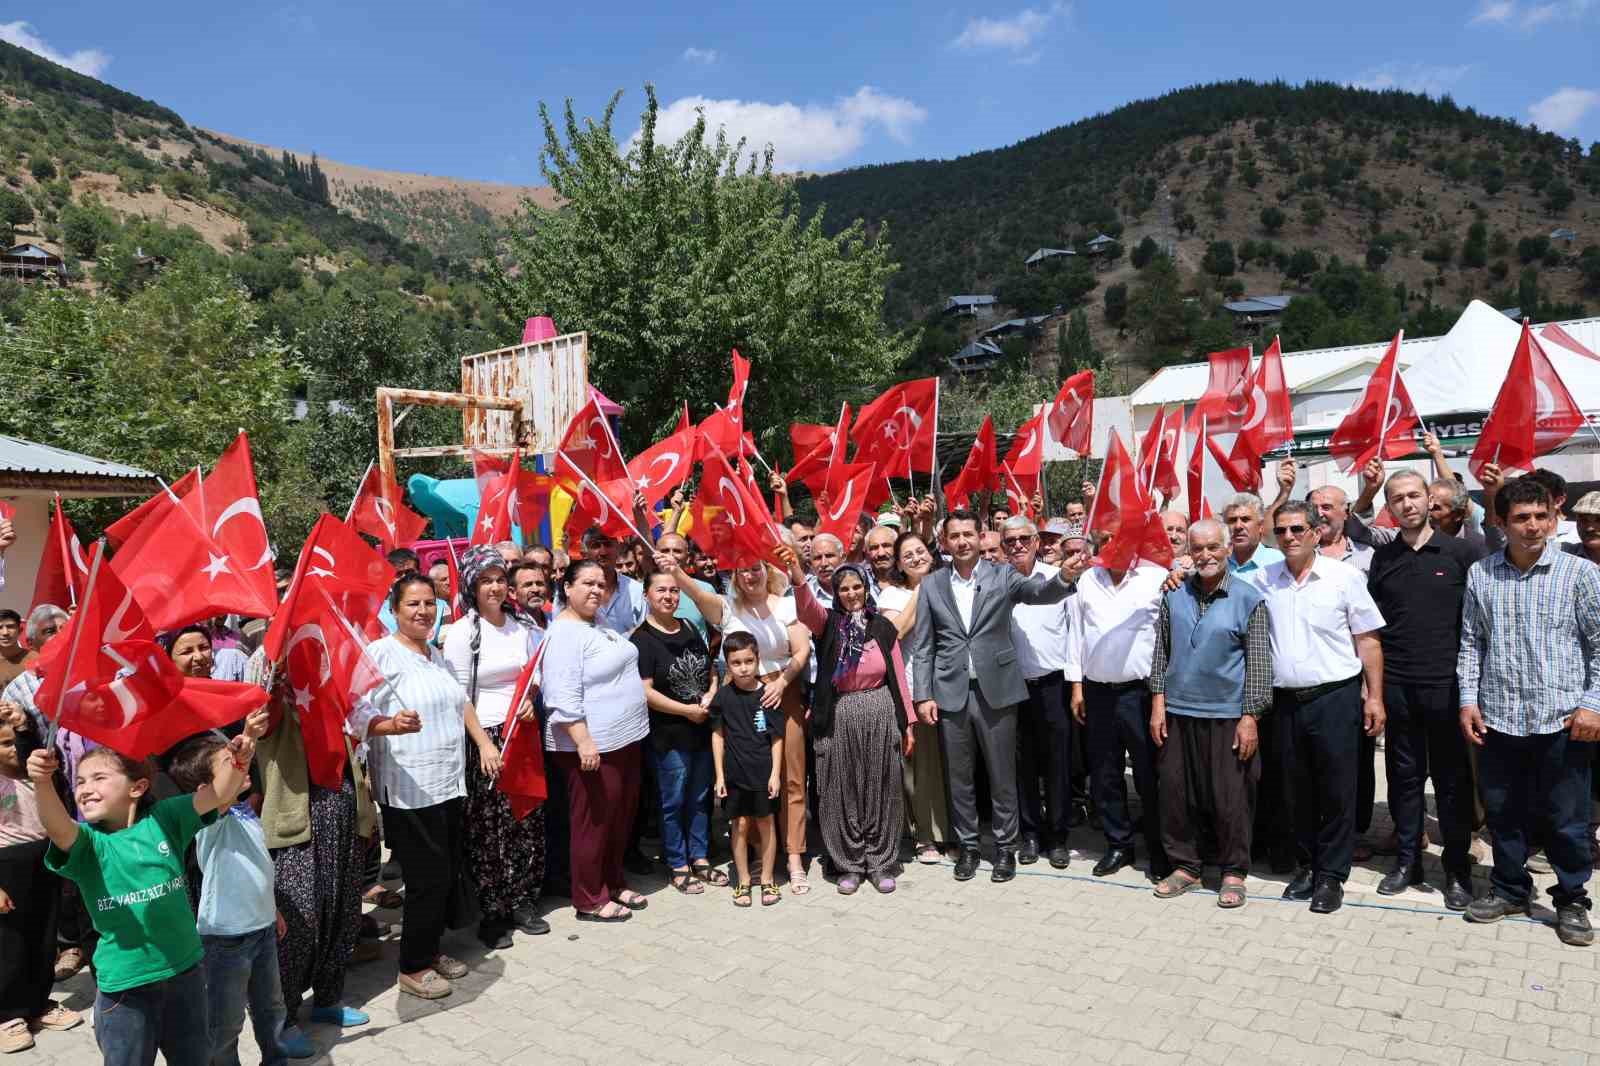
663 466
849 488
379 513
120 530
897 429
1382 421
355 576
1223 403
1025 458
1071 413
62 567
1533 414
232 516
522 777
981 471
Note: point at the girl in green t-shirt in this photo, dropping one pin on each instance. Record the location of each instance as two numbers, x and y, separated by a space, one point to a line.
127 860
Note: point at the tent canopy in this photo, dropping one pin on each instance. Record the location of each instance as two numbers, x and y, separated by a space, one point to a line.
1463 372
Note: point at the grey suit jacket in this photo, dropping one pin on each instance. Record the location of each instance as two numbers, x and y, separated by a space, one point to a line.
942 646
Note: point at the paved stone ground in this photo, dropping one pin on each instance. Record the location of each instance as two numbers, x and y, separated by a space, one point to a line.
1055 966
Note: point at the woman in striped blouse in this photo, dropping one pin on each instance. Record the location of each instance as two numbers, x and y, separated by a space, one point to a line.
416 723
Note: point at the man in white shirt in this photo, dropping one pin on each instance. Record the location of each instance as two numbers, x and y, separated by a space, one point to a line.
1110 644
1324 646
1044 727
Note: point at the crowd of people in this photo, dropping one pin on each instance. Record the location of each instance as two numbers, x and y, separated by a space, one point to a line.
848 707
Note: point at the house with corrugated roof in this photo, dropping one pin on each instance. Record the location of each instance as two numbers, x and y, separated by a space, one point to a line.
971 305
30 262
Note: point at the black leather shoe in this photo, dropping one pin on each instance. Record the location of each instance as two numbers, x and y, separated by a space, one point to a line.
1492 908
1028 852
1005 865
1300 887
966 864
530 923
1329 895
1457 893
493 935
1572 925
1112 861
1060 856
1402 877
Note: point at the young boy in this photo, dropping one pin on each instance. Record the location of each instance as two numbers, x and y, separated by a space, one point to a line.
747 746
238 919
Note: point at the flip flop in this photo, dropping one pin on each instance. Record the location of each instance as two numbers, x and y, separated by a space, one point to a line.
1231 896
1175 884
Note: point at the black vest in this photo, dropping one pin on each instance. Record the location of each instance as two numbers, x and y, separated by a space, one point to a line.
823 697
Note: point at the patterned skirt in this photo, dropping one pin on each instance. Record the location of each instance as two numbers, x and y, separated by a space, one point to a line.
858 784
318 887
504 856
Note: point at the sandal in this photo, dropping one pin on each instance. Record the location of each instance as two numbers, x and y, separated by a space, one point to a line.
1175 884
385 899
770 895
930 855
686 883
798 883
637 903
1231 895
741 896
704 871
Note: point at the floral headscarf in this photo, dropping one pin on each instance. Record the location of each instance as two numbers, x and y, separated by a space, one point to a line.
853 625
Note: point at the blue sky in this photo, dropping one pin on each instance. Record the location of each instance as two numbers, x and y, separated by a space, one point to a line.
453 88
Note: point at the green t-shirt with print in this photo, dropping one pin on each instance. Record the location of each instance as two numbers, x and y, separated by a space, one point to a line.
133 884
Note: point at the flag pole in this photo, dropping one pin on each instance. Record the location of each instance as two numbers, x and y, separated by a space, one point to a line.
77 634
365 474
627 519
933 477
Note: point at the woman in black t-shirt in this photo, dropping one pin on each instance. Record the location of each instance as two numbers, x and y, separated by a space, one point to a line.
678 685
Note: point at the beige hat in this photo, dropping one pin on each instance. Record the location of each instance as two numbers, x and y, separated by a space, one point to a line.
1588 503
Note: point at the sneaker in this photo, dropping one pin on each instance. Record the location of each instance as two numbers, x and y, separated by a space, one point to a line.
1539 863
14 1036
57 1019
428 986
68 963
1572 925
1492 908
451 969
341 1016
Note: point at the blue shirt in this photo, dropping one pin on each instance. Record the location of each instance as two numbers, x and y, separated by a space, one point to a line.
689 612
235 875
1251 568
625 610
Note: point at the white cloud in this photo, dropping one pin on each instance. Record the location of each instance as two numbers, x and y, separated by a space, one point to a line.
90 61
1562 110
1412 77
1016 32
706 56
1497 11
1528 17
803 136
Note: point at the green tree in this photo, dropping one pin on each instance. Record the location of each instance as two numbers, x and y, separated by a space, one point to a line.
1273 218
1312 213
1143 252
670 254
1475 250
85 225
1302 264
1080 352
1156 311
1219 260
1116 302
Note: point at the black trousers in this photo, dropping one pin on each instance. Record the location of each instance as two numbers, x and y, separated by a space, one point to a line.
1044 761
1536 792
1324 737
1366 781
27 932
1274 816
428 842
1204 787
1422 740
1119 732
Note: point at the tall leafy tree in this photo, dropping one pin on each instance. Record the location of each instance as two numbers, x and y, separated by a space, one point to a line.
670 254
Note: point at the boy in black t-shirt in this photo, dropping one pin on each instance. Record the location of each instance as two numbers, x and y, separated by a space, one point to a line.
748 752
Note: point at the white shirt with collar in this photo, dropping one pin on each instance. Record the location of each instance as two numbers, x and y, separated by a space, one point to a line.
1112 636
1314 619
963 590
1040 632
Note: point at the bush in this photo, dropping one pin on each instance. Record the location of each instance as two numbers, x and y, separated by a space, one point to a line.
1116 303
1219 259
1272 219
42 168
1531 248
1144 252
1302 264
1312 213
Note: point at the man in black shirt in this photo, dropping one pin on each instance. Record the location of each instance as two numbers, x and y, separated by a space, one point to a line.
1418 581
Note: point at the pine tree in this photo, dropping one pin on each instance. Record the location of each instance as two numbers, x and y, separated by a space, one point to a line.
1079 352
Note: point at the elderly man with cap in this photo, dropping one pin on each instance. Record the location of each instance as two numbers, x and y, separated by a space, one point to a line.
1044 726
1210 682
1050 535
1586 513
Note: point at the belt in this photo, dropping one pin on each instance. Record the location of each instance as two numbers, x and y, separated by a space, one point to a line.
1311 692
1120 686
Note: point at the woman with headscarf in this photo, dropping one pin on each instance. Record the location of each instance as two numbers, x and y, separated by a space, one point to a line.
860 726
486 649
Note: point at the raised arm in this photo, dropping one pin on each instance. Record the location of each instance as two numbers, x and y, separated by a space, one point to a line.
812 614
709 603
60 826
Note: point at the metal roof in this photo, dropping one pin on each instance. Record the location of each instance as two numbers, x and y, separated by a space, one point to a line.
1013 323
32 251
26 457
1259 305
1046 253
968 301
1102 239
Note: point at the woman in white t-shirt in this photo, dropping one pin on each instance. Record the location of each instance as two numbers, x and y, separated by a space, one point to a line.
486 649
757 605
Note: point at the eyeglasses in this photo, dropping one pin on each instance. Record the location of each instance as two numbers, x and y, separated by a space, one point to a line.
1012 542
1289 531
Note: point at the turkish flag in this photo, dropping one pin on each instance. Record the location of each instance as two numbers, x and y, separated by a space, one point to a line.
120 530
1226 398
849 488
755 533
1018 499
1025 459
1533 414
1198 507
587 446
712 531
1556 335
497 504
232 517
356 577
1382 421
1150 448
980 473
663 467
1166 459
522 748
1141 537
328 671
685 423
107 679
379 513
897 429
829 451
805 437
1242 471
179 574
1119 499
726 427
1071 413
1269 420
62 568
609 508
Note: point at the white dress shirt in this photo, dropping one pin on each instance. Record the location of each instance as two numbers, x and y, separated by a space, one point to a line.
1314 619
964 590
1112 626
418 769
1040 632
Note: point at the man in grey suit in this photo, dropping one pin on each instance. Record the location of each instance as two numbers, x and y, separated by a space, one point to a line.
966 679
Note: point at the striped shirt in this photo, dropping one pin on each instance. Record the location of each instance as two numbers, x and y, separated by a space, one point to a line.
419 769
1529 642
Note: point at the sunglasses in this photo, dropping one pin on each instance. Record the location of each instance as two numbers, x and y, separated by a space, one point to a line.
1012 542
1289 531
